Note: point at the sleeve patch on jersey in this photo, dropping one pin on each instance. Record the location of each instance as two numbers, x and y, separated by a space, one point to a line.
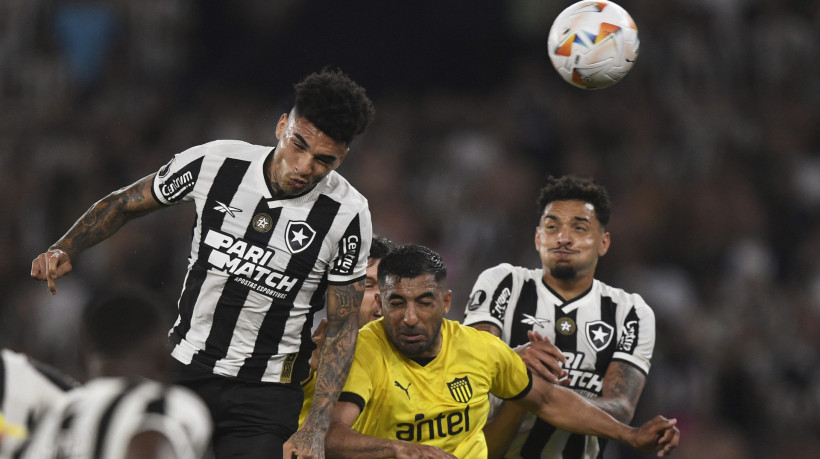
501 298
350 248
175 186
629 339
476 299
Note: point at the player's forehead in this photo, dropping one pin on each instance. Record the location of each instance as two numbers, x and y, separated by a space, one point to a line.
405 287
568 210
304 129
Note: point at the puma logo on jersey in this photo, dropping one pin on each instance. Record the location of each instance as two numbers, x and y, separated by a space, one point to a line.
532 320
406 390
226 209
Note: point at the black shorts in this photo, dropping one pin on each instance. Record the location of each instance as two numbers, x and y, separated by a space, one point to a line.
251 419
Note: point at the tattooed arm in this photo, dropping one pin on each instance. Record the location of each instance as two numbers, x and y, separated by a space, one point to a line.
98 223
623 384
343 302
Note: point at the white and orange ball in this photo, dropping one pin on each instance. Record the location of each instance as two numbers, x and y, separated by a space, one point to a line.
593 44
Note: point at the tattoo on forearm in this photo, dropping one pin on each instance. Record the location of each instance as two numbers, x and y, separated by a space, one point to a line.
623 385
337 351
105 217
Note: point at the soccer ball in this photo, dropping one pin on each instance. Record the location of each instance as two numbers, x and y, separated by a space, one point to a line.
593 44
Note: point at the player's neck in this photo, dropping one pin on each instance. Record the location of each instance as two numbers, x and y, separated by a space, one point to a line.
568 289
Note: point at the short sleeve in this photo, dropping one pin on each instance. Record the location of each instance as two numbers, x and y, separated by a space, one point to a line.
511 379
175 180
636 340
488 299
350 262
363 369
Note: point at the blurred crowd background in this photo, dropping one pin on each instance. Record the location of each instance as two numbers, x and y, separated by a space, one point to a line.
710 149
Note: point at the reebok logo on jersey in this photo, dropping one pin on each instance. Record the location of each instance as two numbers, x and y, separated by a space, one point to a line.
532 320
248 262
460 389
226 209
599 334
476 299
298 236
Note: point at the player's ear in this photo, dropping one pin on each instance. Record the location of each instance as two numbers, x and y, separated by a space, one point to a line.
448 297
538 238
280 125
341 158
604 244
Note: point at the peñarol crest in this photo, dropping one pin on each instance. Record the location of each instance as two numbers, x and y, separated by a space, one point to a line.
460 389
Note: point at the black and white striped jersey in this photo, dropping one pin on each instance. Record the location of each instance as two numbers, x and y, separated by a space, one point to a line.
99 419
602 325
27 390
259 267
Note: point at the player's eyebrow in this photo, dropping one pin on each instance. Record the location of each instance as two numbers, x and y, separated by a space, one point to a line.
301 139
576 218
319 156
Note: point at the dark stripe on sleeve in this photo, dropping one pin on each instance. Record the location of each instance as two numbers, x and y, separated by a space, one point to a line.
501 299
349 249
604 356
177 192
320 218
105 420
352 398
527 304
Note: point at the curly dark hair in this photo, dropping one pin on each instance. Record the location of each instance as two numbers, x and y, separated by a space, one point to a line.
380 247
334 103
409 261
571 188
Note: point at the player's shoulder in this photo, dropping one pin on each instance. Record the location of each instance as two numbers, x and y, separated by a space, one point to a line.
502 270
338 188
32 371
233 148
620 296
470 336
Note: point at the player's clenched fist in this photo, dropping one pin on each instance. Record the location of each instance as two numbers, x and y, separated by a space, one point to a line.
49 266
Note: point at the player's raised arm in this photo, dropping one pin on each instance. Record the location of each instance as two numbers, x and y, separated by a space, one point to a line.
567 410
343 303
98 223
